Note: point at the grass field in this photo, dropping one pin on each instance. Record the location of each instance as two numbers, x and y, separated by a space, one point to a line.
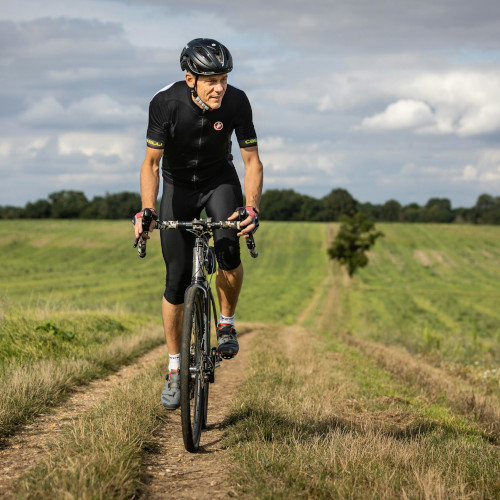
384 386
431 288
74 265
71 291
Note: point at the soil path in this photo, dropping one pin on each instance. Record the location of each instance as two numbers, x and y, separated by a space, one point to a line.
24 449
172 472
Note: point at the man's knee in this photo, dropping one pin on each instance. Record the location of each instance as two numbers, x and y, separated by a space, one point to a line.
228 254
174 297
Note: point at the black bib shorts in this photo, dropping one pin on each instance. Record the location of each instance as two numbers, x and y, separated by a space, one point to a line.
219 198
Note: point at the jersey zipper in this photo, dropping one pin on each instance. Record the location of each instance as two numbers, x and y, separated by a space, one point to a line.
195 177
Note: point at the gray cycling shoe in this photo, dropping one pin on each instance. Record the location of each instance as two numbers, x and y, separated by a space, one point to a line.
227 344
171 394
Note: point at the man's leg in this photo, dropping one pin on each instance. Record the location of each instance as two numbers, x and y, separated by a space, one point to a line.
228 284
220 205
172 324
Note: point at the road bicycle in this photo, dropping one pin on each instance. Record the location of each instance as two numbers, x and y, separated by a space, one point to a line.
198 358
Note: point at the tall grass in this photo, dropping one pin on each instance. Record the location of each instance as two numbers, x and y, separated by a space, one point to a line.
98 456
29 387
319 419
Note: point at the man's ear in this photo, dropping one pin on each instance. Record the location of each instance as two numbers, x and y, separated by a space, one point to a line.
190 79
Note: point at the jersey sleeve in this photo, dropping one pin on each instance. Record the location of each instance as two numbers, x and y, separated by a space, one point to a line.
244 129
155 136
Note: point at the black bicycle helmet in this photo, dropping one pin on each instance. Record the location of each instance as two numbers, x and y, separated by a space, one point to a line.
204 56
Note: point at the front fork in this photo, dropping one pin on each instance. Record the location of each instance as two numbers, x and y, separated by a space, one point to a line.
212 360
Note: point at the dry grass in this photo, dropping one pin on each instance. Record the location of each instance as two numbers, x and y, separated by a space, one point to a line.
437 385
30 388
323 420
99 455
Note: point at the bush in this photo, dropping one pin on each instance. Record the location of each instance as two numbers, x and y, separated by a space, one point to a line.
356 235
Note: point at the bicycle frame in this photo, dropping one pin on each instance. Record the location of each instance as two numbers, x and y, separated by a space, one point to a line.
199 280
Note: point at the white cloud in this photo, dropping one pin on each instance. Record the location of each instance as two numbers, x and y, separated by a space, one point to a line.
485 173
469 173
297 165
465 103
403 114
47 110
5 148
37 145
93 144
97 110
269 144
489 168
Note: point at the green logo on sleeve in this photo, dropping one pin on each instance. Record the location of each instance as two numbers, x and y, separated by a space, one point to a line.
251 141
154 144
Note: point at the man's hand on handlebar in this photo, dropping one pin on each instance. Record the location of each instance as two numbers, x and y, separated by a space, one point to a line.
249 218
144 222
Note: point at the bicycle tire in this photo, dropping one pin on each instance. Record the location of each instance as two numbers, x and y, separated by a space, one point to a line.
208 349
204 414
192 380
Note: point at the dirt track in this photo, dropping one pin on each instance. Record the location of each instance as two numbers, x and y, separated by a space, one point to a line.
171 471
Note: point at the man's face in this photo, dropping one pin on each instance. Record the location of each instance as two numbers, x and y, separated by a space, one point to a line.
211 89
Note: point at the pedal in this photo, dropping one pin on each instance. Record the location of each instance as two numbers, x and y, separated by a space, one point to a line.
226 356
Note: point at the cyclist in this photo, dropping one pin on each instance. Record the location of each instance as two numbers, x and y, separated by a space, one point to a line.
190 127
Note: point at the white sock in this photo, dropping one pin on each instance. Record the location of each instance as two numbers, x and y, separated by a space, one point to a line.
227 320
174 362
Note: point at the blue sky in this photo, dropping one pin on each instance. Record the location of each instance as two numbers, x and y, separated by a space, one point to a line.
388 99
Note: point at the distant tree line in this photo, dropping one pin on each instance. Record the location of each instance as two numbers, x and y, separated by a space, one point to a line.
276 204
287 204
75 205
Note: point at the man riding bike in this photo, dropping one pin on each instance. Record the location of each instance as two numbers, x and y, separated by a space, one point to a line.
190 127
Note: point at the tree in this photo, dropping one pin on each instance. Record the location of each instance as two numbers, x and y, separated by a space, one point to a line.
391 211
68 204
281 204
10 212
339 202
122 205
356 235
372 210
438 210
38 210
486 210
412 212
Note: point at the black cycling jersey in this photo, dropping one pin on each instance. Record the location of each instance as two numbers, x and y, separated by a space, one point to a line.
197 143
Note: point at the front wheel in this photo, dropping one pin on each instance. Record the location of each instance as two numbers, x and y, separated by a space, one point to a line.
192 369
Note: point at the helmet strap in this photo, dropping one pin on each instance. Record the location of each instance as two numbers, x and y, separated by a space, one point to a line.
196 97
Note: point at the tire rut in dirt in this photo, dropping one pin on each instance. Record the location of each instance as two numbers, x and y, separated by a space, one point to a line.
171 471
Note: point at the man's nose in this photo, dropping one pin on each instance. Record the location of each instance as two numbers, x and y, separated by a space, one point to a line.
219 87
